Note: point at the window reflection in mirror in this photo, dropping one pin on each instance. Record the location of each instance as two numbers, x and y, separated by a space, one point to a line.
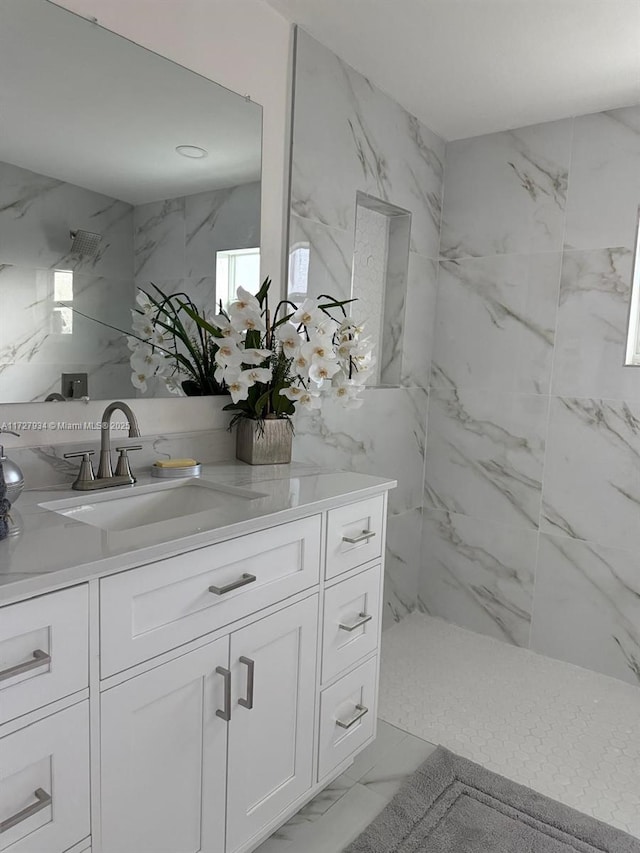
236 268
632 352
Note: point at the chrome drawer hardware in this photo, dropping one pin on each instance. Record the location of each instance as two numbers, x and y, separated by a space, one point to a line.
363 537
243 581
43 800
225 714
250 664
40 659
361 711
361 621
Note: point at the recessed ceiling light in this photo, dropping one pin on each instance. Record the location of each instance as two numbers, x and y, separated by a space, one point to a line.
192 151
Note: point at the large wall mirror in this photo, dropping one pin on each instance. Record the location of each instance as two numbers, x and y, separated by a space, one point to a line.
118 168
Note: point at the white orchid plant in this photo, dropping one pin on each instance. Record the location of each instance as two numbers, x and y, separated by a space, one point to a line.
168 344
269 364
273 363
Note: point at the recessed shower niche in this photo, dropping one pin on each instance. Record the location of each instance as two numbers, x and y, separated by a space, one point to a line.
371 266
379 280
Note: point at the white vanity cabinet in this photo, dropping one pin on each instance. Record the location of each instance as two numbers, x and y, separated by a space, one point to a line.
163 757
271 728
198 700
231 721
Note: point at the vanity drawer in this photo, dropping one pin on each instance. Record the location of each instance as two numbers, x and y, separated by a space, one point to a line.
347 716
44 783
44 651
354 535
351 627
157 607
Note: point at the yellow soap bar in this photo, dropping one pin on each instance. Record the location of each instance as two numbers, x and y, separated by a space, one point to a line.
174 463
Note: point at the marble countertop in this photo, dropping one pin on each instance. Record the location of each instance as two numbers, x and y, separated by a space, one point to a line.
49 551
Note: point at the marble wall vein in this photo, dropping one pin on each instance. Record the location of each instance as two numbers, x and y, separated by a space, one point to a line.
350 137
532 483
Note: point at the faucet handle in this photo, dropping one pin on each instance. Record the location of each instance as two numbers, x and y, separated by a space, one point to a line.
123 469
86 468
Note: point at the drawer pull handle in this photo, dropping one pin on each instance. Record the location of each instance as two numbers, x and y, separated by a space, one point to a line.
40 658
363 537
42 801
225 713
243 581
251 665
364 618
360 712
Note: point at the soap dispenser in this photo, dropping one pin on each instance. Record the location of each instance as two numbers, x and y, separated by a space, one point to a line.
13 476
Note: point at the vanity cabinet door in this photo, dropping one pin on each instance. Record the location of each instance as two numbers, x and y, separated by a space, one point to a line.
163 757
273 665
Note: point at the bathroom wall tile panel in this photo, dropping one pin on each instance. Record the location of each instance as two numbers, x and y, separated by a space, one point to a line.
592 471
478 575
384 437
592 326
25 308
485 454
419 321
330 257
402 566
349 136
220 220
604 188
30 327
506 192
37 213
587 606
159 240
496 321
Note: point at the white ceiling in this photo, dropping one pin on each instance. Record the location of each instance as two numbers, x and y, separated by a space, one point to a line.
467 67
83 105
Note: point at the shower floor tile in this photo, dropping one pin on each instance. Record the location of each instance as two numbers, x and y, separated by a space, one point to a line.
569 733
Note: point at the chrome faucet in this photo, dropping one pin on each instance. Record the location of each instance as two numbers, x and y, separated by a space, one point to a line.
104 468
105 479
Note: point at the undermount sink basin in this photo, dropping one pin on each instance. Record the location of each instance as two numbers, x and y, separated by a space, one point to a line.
130 507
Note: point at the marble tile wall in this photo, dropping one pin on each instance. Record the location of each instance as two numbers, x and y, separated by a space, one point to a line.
36 215
532 478
350 137
176 240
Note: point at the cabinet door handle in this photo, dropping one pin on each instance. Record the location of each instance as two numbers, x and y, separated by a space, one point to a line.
243 581
363 537
358 624
40 659
360 712
250 664
42 801
225 713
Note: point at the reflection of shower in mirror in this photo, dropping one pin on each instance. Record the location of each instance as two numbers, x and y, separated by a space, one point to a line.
632 352
85 243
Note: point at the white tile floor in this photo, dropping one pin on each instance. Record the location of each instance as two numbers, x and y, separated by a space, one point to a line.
569 733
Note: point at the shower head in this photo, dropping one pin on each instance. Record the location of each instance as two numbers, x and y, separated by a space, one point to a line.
85 243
